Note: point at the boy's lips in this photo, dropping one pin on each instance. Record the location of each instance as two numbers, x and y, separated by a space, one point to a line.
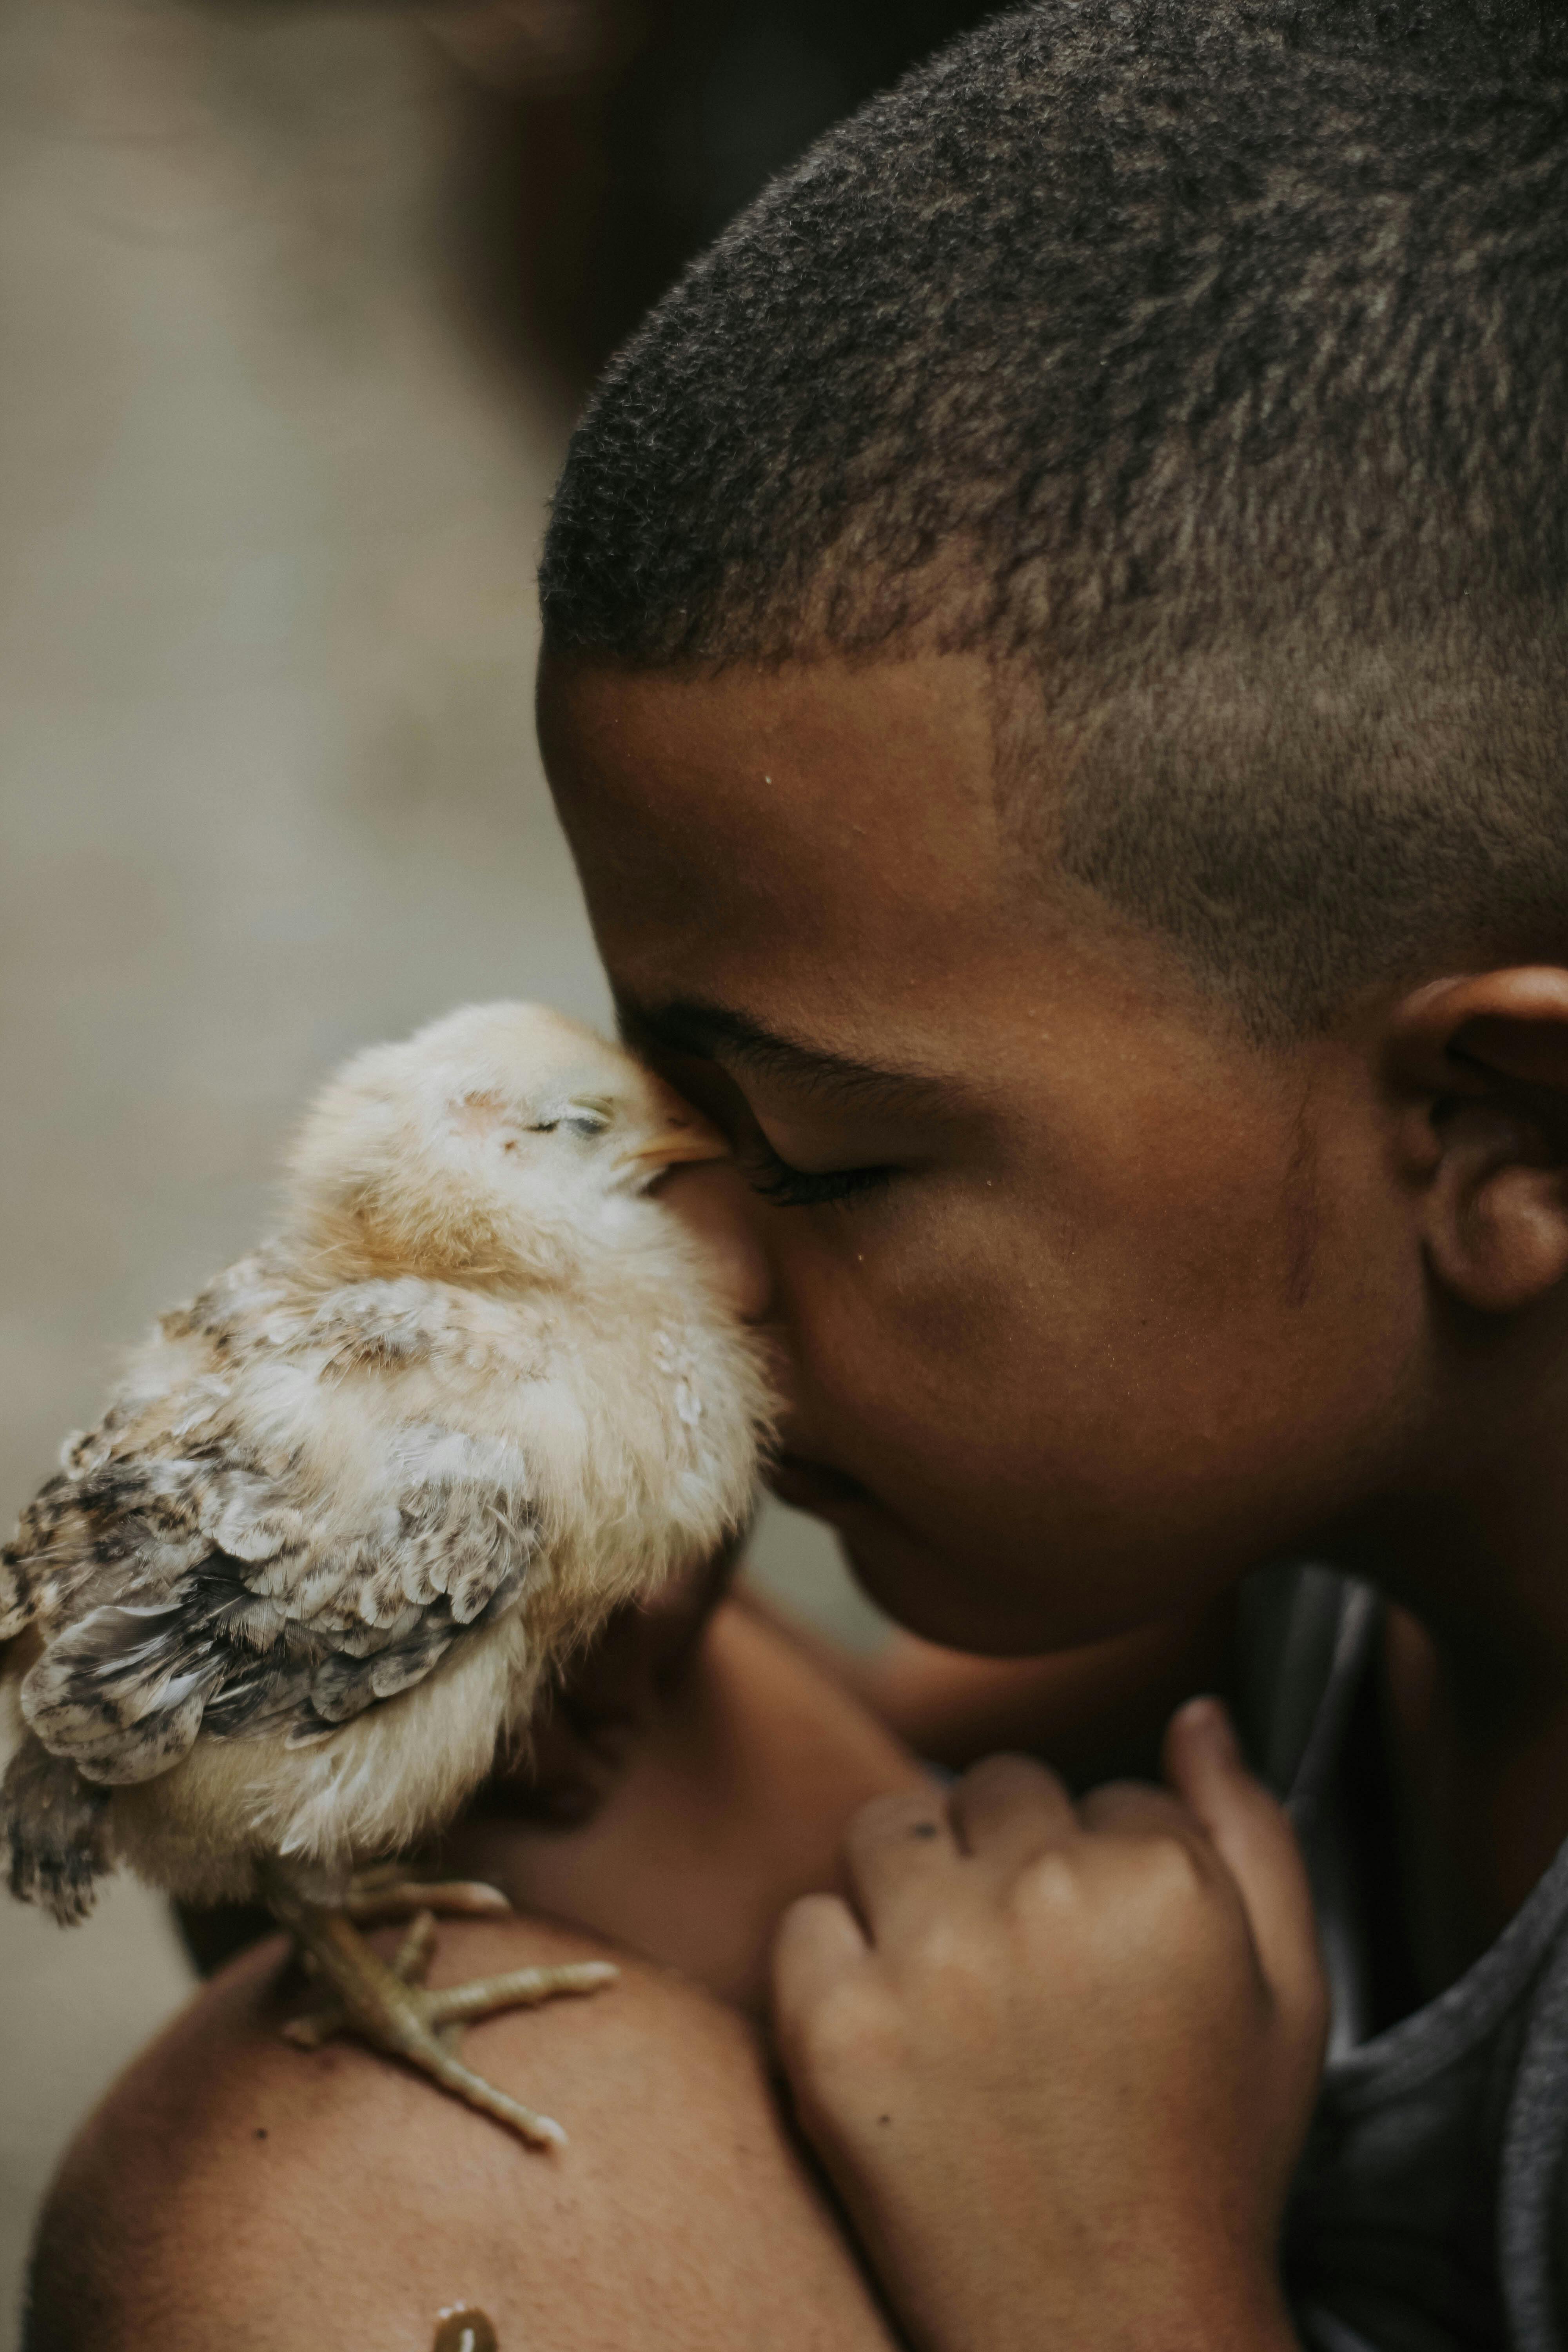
815 1487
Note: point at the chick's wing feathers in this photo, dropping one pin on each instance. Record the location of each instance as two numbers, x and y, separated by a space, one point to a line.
189 1571
154 1658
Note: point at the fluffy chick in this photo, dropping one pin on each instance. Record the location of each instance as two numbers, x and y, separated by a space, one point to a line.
348 1511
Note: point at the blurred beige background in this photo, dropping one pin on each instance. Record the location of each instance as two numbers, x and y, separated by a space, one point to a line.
267 525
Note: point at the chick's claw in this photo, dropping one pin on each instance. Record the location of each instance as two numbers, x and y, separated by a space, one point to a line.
376 1896
391 2007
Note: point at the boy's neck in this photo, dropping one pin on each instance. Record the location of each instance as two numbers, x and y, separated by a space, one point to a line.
1480 1814
1476 1688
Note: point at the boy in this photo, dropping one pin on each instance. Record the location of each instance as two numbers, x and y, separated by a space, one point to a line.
1054 680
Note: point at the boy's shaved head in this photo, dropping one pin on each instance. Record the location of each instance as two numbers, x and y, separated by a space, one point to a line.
1205 366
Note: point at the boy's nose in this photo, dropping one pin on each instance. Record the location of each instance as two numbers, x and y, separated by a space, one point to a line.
714 1200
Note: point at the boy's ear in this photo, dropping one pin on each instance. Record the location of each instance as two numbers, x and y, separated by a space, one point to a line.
1481 1064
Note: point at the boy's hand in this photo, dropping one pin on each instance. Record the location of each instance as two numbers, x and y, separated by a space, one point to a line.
1062 2062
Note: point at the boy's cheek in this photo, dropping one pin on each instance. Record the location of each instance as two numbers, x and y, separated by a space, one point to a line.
1060 1445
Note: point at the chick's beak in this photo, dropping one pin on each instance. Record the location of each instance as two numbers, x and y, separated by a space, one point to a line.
687 1139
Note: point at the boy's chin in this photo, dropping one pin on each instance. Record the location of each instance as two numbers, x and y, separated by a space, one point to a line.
984 1603
955 1603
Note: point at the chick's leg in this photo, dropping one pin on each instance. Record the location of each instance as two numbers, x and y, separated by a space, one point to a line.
393 2008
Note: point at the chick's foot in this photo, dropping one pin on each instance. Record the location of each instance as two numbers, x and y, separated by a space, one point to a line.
393 2008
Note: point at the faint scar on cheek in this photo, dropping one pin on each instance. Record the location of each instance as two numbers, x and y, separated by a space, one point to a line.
923 1829
462 2330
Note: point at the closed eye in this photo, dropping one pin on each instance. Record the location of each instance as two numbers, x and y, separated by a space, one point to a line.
582 1119
723 1097
803 1188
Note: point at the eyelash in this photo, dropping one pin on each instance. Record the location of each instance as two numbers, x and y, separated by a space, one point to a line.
802 1188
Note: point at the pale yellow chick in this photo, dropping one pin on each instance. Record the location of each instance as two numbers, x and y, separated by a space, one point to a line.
350 1511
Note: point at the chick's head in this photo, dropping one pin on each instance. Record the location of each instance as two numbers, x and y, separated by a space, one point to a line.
504 1140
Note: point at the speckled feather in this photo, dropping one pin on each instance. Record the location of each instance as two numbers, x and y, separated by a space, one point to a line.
217 1595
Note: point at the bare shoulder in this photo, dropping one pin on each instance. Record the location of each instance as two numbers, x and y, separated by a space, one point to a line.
235 2189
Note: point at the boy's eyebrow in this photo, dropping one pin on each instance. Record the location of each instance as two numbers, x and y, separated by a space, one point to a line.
720 1033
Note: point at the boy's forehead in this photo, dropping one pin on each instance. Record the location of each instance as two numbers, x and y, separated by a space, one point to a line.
822 816
817 853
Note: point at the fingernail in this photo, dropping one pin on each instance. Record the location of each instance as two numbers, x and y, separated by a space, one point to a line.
1209 1718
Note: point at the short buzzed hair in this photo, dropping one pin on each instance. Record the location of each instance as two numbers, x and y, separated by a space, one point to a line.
1203 366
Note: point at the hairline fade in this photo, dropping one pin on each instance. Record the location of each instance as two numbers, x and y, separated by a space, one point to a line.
1204 363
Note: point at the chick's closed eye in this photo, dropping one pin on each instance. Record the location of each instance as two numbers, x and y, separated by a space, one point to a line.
586 1119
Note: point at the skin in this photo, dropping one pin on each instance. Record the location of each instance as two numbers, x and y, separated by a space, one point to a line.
1139 1305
